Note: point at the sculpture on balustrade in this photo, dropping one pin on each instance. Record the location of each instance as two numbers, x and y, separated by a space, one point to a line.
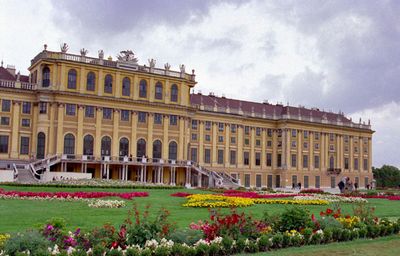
152 63
182 68
101 54
167 66
127 56
84 52
64 47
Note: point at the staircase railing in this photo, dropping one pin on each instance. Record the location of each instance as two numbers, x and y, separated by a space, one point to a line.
37 176
15 172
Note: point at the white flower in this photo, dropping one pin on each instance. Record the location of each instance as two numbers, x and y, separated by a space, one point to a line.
201 241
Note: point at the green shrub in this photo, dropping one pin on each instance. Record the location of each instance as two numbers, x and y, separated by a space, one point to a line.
327 235
162 251
202 249
277 240
307 233
240 245
316 238
114 252
146 252
214 249
286 240
337 234
346 235
296 241
373 231
187 236
362 232
227 244
252 247
132 252
264 243
31 241
294 218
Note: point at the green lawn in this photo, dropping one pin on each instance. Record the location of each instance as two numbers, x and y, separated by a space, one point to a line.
18 215
385 246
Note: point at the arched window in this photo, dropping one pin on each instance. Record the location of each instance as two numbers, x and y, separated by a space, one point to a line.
69 144
157 147
123 147
126 86
41 145
106 146
141 148
159 91
46 77
88 145
331 162
90 81
174 93
172 150
108 84
72 79
143 89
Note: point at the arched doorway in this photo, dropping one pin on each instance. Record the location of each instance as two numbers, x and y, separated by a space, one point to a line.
41 145
69 144
141 148
123 147
172 150
88 145
157 147
106 146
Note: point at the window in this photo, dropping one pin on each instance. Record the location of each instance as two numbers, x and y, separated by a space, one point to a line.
208 126
142 117
294 133
258 143
232 157
365 164
141 148
90 81
233 140
123 147
316 162
316 146
246 159
305 134
193 154
294 160
41 145
88 145
207 137
331 136
158 118
70 109
194 136
346 163
233 128
258 131
172 150
331 162
207 155
258 180
220 138
174 93
305 161
331 148
246 141
157 149
221 127
317 181
69 144
269 132
247 180
269 143
143 88
159 91
173 120
258 158
46 77
305 145
294 143
24 147
6 105
269 181
316 136
71 79
125 115
5 120
279 143
26 107
279 160
247 130
306 182
220 156
346 138
294 179
107 113
108 80
346 148
3 144
42 107
269 159
25 122
106 146
89 111
333 182
355 149
194 124
126 87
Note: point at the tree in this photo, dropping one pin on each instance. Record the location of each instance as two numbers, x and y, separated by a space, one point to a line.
387 176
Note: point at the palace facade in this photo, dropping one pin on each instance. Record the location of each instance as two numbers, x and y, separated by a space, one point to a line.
121 120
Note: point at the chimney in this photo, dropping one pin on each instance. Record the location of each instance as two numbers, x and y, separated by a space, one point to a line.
11 69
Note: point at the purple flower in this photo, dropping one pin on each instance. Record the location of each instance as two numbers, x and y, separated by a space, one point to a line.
50 227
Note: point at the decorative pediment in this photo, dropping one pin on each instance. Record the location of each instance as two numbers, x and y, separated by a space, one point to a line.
127 56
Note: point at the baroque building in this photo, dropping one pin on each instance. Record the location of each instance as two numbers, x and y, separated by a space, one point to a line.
116 119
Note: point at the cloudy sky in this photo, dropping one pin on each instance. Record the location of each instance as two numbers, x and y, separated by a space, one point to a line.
334 55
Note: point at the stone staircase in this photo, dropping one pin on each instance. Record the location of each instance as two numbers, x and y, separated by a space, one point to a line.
25 176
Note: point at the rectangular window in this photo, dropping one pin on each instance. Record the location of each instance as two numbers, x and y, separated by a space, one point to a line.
89 111
193 154
316 136
173 119
3 144
279 160
269 132
233 140
5 120
26 107
207 155
6 105
305 145
42 107
258 180
305 161
221 127
269 143
247 130
269 159
70 109
355 163
247 180
294 144
107 113
194 136
366 181
142 117
316 162
125 115
346 163
207 137
258 143
294 133
346 138
316 146
233 128
279 133
294 180
294 160
246 141
194 124
305 134
220 156
333 181
25 122
269 181
246 158
331 136
24 147
258 158
317 181
208 125
306 185
258 131
220 138
279 144
331 147
158 118
355 149
232 157
365 165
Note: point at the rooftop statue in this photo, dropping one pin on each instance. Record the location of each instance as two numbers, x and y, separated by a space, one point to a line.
152 63
127 56
64 47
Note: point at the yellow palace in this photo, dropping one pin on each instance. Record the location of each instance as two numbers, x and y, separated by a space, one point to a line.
116 119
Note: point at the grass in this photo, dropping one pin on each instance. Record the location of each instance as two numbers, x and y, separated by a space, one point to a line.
18 215
385 246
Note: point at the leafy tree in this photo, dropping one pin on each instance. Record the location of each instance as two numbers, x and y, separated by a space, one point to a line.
387 176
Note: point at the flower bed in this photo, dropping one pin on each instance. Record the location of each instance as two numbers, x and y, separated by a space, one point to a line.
312 191
250 194
298 202
331 198
107 204
181 194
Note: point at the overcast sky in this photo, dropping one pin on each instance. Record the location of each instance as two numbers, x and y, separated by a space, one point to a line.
334 55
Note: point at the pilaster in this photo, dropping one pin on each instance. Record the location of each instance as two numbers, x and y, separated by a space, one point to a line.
97 139
115 139
60 128
79 134
201 142
16 110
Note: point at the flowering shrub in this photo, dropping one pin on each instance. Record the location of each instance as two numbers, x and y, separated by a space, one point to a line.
331 198
312 191
349 221
3 239
181 194
107 204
